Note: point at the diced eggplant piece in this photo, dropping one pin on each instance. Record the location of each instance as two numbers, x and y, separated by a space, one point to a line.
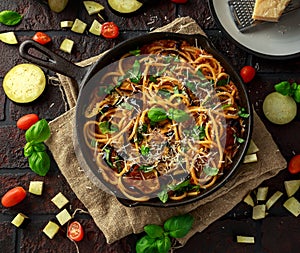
20 220
63 217
245 239
36 187
273 199
60 200
293 206
259 212
51 229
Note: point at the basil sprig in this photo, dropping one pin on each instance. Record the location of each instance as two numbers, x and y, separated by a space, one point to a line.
158 238
10 18
289 89
35 149
157 114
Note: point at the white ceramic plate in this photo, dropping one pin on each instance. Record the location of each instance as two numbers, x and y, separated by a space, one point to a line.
268 40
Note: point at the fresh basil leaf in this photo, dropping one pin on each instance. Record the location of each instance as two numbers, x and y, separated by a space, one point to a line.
157 114
146 245
135 52
145 150
39 147
243 113
126 106
284 88
164 93
108 128
154 231
163 196
152 79
192 86
238 139
39 162
39 132
178 115
211 171
107 157
163 244
28 149
146 168
180 186
179 226
135 74
223 82
10 18
297 94
198 132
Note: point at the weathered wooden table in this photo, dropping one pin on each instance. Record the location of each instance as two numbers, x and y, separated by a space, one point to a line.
279 232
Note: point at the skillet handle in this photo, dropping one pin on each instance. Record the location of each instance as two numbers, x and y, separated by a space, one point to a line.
52 61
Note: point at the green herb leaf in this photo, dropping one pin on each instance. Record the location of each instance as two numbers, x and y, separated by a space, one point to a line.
28 149
284 88
180 186
39 162
157 114
163 244
179 226
178 115
146 168
39 132
39 147
135 74
154 231
126 106
163 196
238 139
164 93
297 94
10 18
146 245
223 82
108 128
198 132
145 150
107 157
243 113
135 52
211 171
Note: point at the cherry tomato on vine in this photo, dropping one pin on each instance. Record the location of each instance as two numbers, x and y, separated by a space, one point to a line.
27 121
294 165
179 1
109 30
41 38
247 73
13 197
75 231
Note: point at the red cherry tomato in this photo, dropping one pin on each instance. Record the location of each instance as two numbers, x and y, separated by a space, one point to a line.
247 73
13 196
294 165
109 30
27 121
41 38
179 1
75 231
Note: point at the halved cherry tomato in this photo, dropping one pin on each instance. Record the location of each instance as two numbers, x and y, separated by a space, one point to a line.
179 1
75 231
13 196
109 30
27 121
41 38
247 73
294 165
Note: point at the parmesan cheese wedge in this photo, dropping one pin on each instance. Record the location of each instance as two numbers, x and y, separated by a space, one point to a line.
269 10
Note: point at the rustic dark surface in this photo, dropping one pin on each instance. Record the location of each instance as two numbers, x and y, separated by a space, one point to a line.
278 233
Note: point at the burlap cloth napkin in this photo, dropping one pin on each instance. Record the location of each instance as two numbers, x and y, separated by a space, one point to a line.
116 220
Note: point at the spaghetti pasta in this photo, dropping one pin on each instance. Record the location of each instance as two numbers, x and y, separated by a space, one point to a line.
164 122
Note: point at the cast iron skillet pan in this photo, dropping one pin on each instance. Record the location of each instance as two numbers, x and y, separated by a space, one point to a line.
84 77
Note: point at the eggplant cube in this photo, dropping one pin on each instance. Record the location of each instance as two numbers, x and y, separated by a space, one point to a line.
36 187
63 217
51 229
20 220
60 200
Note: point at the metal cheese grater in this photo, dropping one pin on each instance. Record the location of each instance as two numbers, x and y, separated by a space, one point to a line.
242 10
